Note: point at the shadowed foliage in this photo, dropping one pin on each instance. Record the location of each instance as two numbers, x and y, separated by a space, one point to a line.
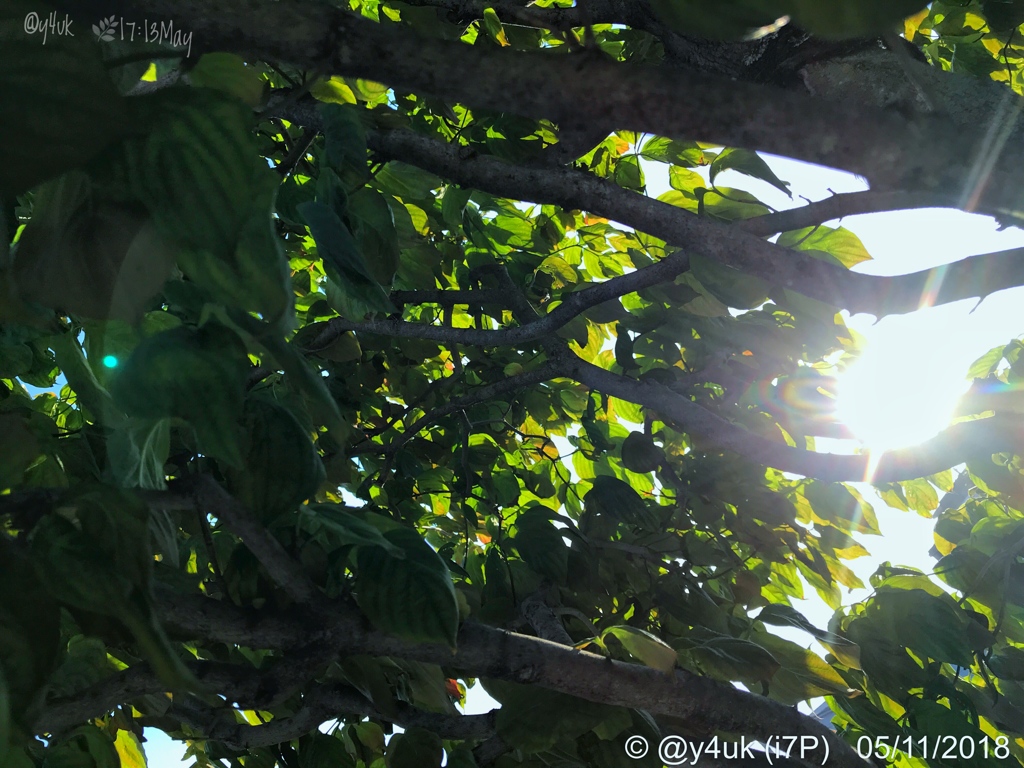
346 364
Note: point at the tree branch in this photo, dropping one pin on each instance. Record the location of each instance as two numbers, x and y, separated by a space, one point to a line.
543 620
248 687
890 149
628 12
482 651
506 386
842 205
952 446
489 652
321 704
956 444
449 298
210 498
976 276
539 329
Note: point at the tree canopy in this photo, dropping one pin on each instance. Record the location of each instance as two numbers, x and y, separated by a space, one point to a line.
346 364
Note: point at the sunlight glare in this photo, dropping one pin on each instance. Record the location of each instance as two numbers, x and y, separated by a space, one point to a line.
904 387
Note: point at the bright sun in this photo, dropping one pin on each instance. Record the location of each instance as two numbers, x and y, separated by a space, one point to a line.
902 391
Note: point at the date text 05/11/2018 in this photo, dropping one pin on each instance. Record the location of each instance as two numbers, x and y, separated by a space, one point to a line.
814 749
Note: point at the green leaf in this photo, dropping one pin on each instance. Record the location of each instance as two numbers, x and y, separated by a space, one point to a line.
841 244
194 374
747 162
869 717
648 648
536 718
228 73
129 750
559 269
494 28
101 561
628 173
19 448
640 454
927 624
346 528
259 265
687 154
616 500
453 204
342 257
137 452
1008 663
324 751
408 182
844 19
333 90
412 597
305 379
194 168
373 225
282 467
416 748
345 139
85 664
802 675
730 204
730 286
921 496
731 658
987 364
461 757
540 544
786 616
86 747
88 255
685 181
841 506
61 108
331 192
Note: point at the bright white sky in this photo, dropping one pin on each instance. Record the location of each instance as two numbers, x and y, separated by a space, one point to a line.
912 370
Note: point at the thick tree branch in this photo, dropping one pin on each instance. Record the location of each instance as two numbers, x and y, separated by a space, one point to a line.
954 445
489 652
887 147
323 703
545 623
976 276
628 12
248 687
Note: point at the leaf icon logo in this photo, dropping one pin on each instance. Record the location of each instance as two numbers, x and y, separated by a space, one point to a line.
104 30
